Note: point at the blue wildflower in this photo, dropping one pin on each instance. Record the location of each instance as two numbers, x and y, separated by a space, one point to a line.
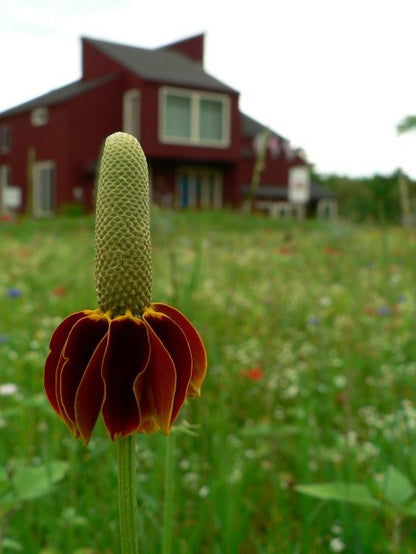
313 320
384 310
14 292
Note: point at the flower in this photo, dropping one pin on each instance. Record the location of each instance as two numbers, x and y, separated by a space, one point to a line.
336 545
14 292
59 291
132 360
254 373
136 370
313 321
8 389
384 310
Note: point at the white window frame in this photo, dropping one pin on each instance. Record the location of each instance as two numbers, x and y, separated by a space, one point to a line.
195 96
38 209
131 124
39 116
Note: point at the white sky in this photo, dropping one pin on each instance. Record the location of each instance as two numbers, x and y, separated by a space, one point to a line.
332 76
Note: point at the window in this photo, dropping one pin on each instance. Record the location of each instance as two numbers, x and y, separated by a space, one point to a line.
198 187
10 196
192 117
210 120
178 117
39 116
5 176
4 184
5 139
131 112
43 189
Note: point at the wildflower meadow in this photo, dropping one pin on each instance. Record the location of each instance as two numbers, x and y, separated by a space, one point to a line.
303 439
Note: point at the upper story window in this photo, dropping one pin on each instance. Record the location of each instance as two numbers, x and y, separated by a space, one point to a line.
39 116
5 141
131 112
194 117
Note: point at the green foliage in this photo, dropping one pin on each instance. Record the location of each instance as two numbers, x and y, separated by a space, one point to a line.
370 199
310 333
27 483
22 484
72 210
393 493
408 123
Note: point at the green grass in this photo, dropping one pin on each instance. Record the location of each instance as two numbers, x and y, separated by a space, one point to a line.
310 333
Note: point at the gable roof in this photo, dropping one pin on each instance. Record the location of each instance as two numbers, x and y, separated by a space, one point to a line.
251 127
161 64
58 95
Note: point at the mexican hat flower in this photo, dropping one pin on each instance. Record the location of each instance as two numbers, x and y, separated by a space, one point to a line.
131 360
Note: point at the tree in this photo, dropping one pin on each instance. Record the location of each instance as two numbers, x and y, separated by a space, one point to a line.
408 123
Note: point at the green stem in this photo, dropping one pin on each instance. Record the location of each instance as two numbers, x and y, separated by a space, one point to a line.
127 496
168 502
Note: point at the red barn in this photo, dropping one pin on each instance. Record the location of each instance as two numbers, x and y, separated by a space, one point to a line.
200 147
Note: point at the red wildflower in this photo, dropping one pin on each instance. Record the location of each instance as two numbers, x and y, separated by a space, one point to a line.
136 371
59 291
254 374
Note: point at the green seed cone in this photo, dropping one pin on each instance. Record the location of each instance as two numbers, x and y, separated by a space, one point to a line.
123 256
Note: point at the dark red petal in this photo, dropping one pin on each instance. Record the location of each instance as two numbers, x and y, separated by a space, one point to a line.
126 357
155 389
174 340
199 355
83 339
90 394
58 340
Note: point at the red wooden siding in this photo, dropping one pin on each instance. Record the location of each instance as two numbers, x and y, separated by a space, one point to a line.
93 116
47 144
95 63
276 167
192 47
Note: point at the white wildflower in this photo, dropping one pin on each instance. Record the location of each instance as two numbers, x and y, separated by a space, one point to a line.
336 545
8 389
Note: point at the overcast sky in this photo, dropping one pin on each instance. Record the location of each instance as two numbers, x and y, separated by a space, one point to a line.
332 76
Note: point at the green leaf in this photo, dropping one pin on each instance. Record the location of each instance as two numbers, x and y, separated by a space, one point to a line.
33 482
340 491
3 475
396 487
409 510
11 545
4 482
72 518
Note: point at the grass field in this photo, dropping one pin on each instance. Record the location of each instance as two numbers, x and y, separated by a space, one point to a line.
310 333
